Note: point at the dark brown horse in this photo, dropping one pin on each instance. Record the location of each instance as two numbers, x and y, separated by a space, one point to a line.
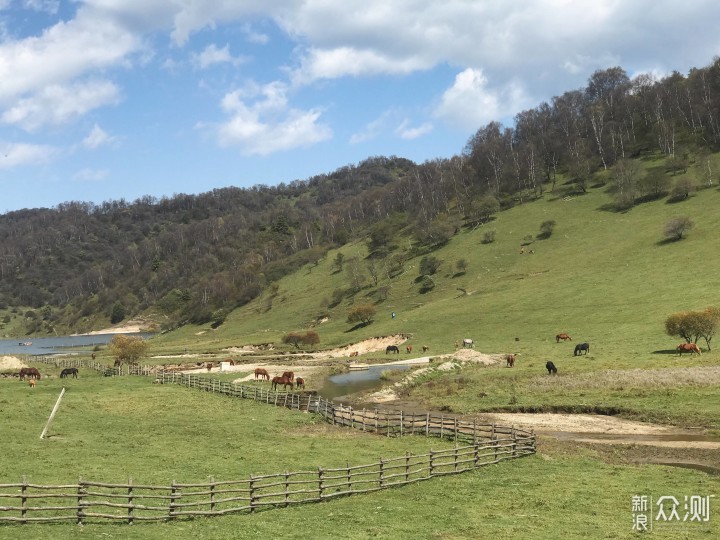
392 348
67 372
692 348
30 373
563 336
510 360
208 366
288 375
300 382
281 380
261 373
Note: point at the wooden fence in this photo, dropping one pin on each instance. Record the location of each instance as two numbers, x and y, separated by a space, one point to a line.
135 502
476 445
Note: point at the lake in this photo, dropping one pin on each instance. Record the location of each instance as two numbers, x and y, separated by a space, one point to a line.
55 345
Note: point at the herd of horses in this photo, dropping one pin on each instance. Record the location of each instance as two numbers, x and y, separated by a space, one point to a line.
286 379
33 374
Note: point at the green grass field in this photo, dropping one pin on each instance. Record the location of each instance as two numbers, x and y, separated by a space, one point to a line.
605 277
110 429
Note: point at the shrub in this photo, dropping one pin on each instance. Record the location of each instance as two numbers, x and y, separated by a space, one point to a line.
546 229
489 237
362 313
127 349
676 227
429 265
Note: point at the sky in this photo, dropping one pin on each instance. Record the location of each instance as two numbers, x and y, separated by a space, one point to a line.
118 99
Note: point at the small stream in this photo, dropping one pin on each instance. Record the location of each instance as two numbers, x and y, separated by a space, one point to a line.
352 382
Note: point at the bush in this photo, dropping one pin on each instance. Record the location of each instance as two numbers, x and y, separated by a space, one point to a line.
676 227
489 237
429 265
362 313
546 229
127 349
293 338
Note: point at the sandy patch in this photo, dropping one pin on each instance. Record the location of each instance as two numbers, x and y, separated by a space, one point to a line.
585 423
363 347
131 327
10 362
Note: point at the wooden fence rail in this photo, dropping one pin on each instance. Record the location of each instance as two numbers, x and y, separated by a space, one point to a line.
32 503
476 445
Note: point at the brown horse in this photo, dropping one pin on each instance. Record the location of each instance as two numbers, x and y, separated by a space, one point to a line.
288 375
32 383
300 382
30 373
208 366
262 374
408 349
563 336
426 348
92 356
281 380
354 353
692 348
510 360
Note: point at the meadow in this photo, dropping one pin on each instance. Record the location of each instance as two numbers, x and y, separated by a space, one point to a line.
606 277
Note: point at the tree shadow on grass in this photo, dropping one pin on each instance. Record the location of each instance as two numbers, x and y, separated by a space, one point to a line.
358 326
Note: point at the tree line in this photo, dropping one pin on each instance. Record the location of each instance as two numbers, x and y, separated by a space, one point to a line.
195 257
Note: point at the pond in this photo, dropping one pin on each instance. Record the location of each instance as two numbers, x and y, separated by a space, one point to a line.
357 381
37 346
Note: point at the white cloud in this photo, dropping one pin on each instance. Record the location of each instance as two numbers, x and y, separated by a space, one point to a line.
91 175
469 103
374 128
58 104
261 123
253 36
405 131
212 55
17 154
97 137
46 6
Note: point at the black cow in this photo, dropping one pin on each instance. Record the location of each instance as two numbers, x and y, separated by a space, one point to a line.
392 348
580 347
552 370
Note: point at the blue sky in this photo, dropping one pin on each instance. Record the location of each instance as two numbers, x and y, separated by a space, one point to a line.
110 99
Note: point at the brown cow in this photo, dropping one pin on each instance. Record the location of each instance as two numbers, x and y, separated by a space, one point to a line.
692 348
510 360
262 374
426 348
408 349
563 336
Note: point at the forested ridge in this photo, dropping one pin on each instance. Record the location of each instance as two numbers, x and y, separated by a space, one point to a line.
193 258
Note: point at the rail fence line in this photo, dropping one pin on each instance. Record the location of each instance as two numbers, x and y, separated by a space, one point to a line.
476 445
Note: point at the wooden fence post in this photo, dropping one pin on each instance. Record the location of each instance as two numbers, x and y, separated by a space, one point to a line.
23 500
442 425
130 502
431 470
455 458
476 453
382 478
287 488
427 425
320 483
171 506
252 493
407 466
212 493
401 423
349 477
80 494
514 443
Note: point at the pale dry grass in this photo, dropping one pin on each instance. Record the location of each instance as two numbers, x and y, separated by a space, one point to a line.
624 379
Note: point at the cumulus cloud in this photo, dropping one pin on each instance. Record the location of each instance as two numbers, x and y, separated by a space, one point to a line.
212 55
470 103
262 123
17 154
46 6
59 104
97 137
406 131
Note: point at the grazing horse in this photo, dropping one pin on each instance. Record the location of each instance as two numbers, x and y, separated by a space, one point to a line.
408 349
426 348
580 347
92 356
31 382
692 348
288 375
208 366
30 373
300 382
510 360
281 380
262 374
563 336
69 371
467 342
552 370
392 348
354 353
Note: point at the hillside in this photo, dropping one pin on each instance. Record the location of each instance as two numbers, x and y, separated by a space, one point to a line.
604 276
